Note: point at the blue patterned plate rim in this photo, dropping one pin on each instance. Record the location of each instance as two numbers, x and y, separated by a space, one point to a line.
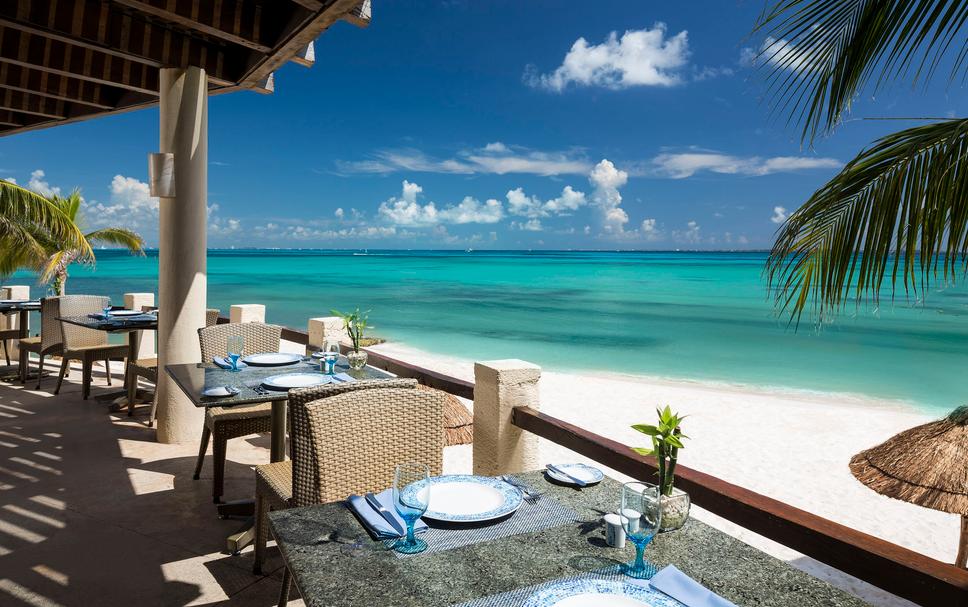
282 358
273 381
512 498
594 475
557 592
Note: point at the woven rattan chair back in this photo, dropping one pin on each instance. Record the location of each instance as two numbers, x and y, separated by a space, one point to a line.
357 439
300 443
82 305
50 328
258 338
211 317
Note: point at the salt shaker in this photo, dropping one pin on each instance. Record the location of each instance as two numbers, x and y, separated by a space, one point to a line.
614 531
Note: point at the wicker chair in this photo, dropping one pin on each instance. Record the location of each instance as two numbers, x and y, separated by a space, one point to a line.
351 444
148 369
50 342
83 344
223 423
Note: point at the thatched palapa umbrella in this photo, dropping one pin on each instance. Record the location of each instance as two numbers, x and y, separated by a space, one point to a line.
926 465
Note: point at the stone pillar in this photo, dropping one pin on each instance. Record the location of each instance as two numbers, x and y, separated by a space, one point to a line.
12 321
247 313
499 387
323 328
136 301
182 239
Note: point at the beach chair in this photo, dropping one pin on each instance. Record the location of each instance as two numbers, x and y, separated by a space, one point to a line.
50 342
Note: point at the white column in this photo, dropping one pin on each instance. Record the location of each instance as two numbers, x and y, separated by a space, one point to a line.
323 328
182 280
12 321
247 313
499 446
136 301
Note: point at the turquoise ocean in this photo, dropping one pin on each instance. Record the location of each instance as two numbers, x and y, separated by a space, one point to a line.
678 315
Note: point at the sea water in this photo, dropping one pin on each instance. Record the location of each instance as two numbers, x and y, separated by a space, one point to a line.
699 316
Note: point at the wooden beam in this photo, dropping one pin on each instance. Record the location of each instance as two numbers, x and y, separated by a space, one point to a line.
896 569
306 56
97 28
17 78
361 15
309 5
237 21
55 57
32 104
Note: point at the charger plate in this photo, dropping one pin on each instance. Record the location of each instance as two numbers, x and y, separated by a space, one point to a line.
594 593
272 359
464 498
288 381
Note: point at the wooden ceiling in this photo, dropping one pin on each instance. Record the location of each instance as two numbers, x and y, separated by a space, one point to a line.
68 60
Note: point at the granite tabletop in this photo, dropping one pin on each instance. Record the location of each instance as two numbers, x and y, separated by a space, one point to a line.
8 306
193 378
335 563
116 324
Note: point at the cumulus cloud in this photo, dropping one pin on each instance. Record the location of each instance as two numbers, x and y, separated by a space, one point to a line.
531 225
691 235
779 215
494 158
39 184
649 230
687 164
406 210
523 205
606 180
776 52
645 57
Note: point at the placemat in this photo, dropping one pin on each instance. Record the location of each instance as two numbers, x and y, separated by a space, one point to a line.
544 513
520 596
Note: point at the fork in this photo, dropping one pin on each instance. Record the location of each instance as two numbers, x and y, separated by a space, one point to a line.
530 495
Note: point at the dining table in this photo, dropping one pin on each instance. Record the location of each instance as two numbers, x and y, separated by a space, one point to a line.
22 308
194 378
527 558
129 324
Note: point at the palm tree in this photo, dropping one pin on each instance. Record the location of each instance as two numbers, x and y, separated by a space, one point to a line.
60 255
28 223
899 210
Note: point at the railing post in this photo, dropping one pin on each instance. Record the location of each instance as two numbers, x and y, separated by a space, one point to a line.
247 313
12 321
499 387
135 301
323 328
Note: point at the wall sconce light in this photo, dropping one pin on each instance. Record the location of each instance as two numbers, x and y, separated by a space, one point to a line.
161 174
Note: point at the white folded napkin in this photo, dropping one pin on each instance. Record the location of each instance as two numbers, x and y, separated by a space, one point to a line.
219 391
686 590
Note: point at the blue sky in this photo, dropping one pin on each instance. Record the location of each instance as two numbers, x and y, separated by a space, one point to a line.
514 125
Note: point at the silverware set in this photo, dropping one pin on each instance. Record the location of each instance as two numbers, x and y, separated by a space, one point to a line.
259 389
530 495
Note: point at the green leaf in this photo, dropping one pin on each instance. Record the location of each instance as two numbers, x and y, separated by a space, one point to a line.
646 429
642 451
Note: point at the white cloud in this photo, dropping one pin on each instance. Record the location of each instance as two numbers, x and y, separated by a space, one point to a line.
643 57
649 230
779 215
776 52
531 225
687 164
523 205
38 184
606 179
339 213
407 211
691 235
493 158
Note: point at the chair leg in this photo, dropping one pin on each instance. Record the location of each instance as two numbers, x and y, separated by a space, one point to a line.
218 466
6 351
23 371
65 365
261 531
286 582
132 394
154 410
206 433
107 369
40 370
87 364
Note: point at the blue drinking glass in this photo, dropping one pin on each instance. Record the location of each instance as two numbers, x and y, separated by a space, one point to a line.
330 358
641 516
411 496
107 310
234 347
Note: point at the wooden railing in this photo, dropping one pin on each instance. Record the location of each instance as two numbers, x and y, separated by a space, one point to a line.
903 572
893 568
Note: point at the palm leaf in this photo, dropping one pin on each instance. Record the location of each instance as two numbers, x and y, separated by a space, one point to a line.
119 237
900 206
825 52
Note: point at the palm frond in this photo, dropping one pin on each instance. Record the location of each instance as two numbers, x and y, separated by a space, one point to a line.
821 53
119 237
899 207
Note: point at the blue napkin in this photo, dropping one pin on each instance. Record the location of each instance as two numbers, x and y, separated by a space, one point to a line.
374 522
343 377
97 316
686 590
225 363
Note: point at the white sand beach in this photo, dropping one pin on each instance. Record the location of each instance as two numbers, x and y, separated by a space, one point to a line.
792 446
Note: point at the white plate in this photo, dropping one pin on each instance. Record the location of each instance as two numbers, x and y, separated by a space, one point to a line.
589 474
220 391
126 313
597 593
295 380
461 498
272 359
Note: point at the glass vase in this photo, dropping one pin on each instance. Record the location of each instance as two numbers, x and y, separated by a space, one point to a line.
357 360
675 510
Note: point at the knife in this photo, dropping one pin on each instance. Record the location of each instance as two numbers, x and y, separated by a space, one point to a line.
387 516
573 479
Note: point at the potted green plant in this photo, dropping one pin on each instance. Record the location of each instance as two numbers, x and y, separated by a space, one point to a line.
667 439
355 325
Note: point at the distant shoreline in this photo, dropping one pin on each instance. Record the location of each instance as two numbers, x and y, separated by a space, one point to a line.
402 250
